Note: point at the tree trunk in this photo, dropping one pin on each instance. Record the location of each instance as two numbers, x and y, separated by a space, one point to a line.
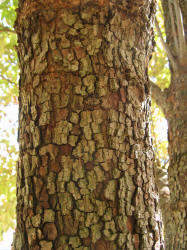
177 171
85 176
174 211
173 103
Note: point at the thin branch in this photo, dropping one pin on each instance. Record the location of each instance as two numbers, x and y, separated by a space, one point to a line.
180 29
173 27
168 52
159 96
6 29
6 79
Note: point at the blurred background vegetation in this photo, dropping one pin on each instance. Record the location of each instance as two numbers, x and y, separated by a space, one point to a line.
9 74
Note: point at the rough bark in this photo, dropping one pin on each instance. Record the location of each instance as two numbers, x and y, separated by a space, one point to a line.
177 171
174 203
173 103
85 176
174 211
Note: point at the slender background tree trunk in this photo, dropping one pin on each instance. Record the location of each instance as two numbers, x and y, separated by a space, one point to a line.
85 176
173 103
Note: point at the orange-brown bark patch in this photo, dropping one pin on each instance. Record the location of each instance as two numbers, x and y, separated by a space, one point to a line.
101 59
114 100
64 77
65 52
111 101
70 3
42 171
38 186
136 241
73 79
36 247
44 195
44 160
114 211
101 244
26 138
76 130
112 73
123 94
49 75
50 231
62 114
87 241
30 212
103 2
54 166
44 204
130 223
80 52
70 225
66 149
102 69
89 165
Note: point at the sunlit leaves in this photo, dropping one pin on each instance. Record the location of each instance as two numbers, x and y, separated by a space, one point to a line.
159 133
159 68
8 96
8 57
8 13
7 192
159 73
8 68
8 157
